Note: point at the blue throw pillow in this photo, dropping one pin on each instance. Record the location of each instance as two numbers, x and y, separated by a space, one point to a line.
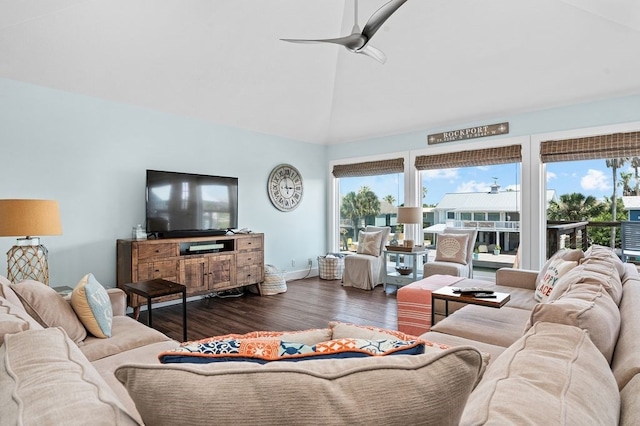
92 305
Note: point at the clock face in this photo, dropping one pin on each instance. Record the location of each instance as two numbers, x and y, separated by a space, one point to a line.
285 187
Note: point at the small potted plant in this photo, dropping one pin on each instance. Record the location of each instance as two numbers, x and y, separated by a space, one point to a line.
496 249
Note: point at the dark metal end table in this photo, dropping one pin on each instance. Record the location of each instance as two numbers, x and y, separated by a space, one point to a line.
158 288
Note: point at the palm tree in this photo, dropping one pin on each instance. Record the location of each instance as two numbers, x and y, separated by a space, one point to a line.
389 199
635 163
625 183
615 164
357 206
575 207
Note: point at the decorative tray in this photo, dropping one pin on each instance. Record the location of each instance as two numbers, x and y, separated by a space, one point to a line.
404 249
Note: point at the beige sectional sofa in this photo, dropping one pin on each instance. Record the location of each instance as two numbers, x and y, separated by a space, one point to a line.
572 358
52 372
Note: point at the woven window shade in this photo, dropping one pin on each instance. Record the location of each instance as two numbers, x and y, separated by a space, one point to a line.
477 157
617 145
369 168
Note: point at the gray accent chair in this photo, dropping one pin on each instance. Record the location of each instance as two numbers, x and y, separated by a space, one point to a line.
365 271
453 268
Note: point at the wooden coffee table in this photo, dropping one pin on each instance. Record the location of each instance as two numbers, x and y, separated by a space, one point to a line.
447 294
158 288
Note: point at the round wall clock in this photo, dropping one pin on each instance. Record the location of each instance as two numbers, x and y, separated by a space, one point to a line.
285 187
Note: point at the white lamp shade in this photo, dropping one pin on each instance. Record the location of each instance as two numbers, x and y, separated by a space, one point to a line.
20 218
410 215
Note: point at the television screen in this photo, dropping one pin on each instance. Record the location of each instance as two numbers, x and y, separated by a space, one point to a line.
184 204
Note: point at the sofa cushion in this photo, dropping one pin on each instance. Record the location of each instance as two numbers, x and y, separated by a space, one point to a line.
147 354
594 312
553 375
333 391
45 379
127 334
630 403
13 319
604 266
49 308
92 305
369 243
555 270
452 248
626 362
7 292
601 252
499 327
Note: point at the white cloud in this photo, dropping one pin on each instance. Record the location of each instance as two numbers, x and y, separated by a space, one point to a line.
512 187
595 180
551 175
473 186
483 168
440 174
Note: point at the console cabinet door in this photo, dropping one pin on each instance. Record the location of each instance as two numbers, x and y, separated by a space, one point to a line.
195 274
222 272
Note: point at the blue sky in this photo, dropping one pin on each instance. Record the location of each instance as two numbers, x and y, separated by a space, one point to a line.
590 177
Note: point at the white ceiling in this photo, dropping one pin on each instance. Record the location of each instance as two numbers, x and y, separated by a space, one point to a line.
449 61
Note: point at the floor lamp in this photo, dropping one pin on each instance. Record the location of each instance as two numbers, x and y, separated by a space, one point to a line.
25 218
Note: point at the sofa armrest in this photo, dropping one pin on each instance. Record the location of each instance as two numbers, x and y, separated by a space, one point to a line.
520 278
118 301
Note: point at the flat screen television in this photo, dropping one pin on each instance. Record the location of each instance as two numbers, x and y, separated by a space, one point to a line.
187 204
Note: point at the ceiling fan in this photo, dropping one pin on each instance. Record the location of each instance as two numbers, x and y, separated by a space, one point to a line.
358 41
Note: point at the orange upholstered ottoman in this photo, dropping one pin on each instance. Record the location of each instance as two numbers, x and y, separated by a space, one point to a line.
414 303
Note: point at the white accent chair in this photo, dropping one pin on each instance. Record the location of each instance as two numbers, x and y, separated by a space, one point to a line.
363 270
454 268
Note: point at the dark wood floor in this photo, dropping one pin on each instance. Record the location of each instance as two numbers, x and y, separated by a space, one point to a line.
308 303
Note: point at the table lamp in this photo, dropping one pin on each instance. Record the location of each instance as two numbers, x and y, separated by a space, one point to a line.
26 218
409 216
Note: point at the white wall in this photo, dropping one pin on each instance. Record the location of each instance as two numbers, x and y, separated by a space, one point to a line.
91 156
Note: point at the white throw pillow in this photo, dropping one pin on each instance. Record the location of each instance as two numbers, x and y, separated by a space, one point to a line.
369 243
555 270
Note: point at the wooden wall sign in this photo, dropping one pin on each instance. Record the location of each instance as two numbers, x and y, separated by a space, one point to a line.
469 133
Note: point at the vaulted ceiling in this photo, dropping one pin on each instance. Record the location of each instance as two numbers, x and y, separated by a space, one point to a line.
449 61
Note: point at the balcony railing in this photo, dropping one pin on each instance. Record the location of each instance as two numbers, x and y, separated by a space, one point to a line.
486 225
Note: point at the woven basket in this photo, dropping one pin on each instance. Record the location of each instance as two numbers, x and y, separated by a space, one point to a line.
274 281
330 268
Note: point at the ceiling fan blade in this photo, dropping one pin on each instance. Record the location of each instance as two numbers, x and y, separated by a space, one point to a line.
374 53
351 42
380 16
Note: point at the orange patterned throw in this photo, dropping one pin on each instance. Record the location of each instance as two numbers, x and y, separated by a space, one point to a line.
414 303
266 346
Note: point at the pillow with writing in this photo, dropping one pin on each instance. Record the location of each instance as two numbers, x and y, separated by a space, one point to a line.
555 270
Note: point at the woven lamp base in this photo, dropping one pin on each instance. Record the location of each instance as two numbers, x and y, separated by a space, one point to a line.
28 263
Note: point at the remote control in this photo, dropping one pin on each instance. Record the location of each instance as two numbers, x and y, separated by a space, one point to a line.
483 295
472 290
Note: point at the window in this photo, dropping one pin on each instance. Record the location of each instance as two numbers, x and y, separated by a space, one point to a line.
475 189
586 178
369 195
